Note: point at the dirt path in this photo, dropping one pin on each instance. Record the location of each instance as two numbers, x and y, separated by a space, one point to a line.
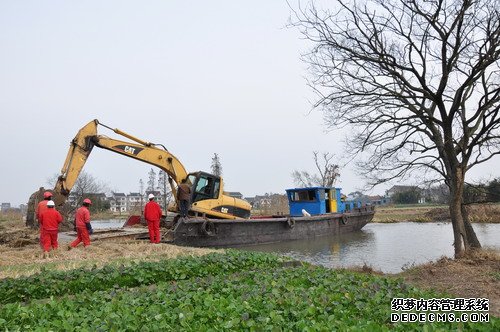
475 276
27 260
20 253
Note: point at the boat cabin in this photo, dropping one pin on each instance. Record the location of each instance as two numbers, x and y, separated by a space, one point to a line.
315 200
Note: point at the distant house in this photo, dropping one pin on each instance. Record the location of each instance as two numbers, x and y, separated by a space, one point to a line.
135 202
259 201
377 200
4 206
118 203
399 189
98 196
75 200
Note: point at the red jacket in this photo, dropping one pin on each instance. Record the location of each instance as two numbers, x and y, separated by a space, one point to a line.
82 217
152 211
50 219
42 206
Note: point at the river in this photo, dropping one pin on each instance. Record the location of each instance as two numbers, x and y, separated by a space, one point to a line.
107 224
385 247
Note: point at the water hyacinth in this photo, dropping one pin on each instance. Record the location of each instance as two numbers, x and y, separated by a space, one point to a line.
232 291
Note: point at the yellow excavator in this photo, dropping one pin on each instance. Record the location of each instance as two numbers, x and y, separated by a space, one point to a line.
207 194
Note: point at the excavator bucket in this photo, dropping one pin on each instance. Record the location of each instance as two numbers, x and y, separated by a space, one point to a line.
33 201
65 209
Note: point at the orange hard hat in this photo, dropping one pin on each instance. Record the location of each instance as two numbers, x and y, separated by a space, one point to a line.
88 201
47 194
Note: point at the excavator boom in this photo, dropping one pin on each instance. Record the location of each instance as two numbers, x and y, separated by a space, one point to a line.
211 202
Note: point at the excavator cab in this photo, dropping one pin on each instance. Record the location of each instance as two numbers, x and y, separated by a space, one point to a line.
204 186
208 198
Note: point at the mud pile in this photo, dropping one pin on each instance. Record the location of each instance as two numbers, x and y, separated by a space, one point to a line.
15 234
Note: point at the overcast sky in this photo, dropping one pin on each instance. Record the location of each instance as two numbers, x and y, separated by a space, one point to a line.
200 77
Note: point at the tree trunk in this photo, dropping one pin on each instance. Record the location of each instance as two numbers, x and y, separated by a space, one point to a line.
461 242
471 234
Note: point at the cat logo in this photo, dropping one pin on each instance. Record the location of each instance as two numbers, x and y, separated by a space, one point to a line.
128 149
133 150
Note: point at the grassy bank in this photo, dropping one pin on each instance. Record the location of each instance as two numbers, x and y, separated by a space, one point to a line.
232 291
487 213
120 285
10 216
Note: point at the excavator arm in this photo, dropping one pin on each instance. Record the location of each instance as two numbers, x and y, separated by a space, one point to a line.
83 143
212 203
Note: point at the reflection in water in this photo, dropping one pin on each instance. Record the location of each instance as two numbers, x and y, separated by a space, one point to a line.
107 224
385 247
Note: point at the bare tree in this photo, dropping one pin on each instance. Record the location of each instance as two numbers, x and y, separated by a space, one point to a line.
164 188
328 172
141 192
216 166
151 181
417 81
86 186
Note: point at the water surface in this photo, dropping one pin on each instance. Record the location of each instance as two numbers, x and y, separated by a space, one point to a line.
108 224
385 247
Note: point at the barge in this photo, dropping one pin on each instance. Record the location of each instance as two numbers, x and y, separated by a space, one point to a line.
314 211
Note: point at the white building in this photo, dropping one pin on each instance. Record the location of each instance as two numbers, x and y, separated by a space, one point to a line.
118 203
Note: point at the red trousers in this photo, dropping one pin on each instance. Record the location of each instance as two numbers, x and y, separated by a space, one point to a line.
82 236
154 231
41 236
49 239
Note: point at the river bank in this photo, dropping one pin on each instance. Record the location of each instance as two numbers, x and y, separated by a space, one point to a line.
477 275
478 213
230 290
20 256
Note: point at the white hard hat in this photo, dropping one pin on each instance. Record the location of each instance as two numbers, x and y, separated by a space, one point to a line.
151 196
51 203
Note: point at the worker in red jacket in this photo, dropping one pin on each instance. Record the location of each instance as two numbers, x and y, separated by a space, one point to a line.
82 220
49 222
41 207
152 214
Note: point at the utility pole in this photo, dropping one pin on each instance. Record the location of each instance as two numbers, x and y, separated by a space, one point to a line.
141 193
162 185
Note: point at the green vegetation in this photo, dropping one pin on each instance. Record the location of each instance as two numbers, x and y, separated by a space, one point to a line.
232 291
56 283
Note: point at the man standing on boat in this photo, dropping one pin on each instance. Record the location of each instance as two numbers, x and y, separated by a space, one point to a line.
152 214
184 196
